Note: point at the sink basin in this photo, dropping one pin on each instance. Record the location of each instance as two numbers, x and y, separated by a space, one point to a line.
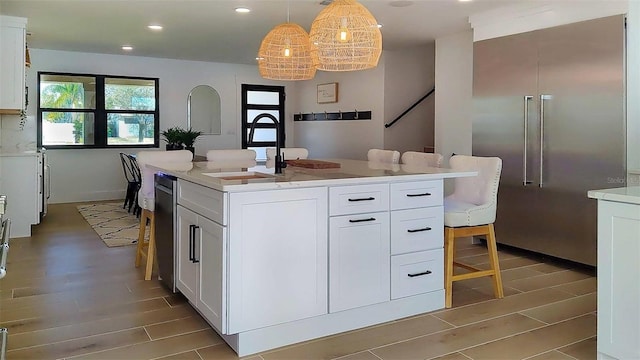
239 175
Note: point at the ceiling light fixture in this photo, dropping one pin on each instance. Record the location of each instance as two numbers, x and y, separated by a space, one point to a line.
155 27
345 37
285 53
127 47
242 9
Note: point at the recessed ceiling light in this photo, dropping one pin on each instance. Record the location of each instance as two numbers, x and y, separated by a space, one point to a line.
380 26
465 0
401 3
259 58
155 27
242 10
127 47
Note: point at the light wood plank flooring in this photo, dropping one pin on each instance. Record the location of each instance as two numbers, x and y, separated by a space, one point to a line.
68 296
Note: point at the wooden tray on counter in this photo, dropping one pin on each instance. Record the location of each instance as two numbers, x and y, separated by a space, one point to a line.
313 164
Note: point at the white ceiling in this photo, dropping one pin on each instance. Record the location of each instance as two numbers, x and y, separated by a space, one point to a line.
210 30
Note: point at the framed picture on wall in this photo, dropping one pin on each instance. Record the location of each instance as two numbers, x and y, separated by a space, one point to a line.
327 93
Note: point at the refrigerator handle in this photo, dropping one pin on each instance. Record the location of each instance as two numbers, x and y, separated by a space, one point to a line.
527 98
542 99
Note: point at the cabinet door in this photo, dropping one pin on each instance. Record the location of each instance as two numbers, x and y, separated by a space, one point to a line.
187 269
213 264
618 285
12 48
20 184
277 257
359 260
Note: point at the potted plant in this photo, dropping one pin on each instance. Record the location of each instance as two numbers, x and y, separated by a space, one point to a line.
189 137
173 137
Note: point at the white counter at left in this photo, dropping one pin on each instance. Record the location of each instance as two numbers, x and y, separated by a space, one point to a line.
21 181
270 260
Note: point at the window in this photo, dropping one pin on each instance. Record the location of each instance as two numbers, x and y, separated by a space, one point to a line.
259 103
97 111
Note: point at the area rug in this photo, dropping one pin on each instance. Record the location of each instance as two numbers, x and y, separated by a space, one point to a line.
114 225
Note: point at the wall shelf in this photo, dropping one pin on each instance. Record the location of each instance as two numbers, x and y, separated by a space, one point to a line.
339 115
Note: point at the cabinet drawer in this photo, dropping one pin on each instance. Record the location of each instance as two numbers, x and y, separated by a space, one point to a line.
416 229
417 273
416 194
344 200
207 202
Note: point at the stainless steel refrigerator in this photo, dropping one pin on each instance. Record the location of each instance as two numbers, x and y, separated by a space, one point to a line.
551 104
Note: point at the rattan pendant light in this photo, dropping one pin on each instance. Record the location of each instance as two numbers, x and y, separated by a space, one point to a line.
345 37
285 53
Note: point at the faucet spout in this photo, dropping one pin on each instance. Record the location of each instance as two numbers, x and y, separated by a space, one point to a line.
279 161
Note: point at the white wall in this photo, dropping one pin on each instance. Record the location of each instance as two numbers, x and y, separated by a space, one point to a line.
454 79
350 139
95 174
408 75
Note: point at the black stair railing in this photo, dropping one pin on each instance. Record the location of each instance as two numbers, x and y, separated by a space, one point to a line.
410 108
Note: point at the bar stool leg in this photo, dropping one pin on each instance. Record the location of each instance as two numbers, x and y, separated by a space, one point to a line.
151 248
495 263
449 246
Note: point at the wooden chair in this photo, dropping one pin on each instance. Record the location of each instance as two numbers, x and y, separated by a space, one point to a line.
384 156
415 158
146 200
471 211
289 153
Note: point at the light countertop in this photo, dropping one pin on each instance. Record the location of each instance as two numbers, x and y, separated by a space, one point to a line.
351 172
630 195
18 153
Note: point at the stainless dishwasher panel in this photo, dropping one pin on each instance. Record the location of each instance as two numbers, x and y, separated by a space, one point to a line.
165 220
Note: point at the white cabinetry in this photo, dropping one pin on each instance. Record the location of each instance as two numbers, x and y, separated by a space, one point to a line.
618 285
201 253
359 246
358 260
417 225
277 257
12 64
21 181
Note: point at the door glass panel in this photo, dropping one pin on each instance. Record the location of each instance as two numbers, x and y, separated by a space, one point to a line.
252 114
263 98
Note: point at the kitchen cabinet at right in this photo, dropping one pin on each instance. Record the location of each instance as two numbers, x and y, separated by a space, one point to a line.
618 268
550 104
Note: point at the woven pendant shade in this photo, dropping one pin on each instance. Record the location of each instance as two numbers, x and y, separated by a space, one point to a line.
285 54
345 37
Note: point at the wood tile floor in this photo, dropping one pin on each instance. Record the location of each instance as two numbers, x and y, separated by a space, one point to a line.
68 296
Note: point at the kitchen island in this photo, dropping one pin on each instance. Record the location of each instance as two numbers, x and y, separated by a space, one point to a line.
274 259
618 269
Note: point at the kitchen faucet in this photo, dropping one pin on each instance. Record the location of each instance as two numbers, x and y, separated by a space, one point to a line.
280 164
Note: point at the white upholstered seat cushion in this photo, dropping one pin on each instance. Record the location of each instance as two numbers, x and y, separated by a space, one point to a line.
231 155
475 199
290 153
146 195
415 158
384 156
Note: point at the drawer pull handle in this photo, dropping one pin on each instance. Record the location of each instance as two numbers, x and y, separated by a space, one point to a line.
416 195
420 273
363 199
362 220
418 230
